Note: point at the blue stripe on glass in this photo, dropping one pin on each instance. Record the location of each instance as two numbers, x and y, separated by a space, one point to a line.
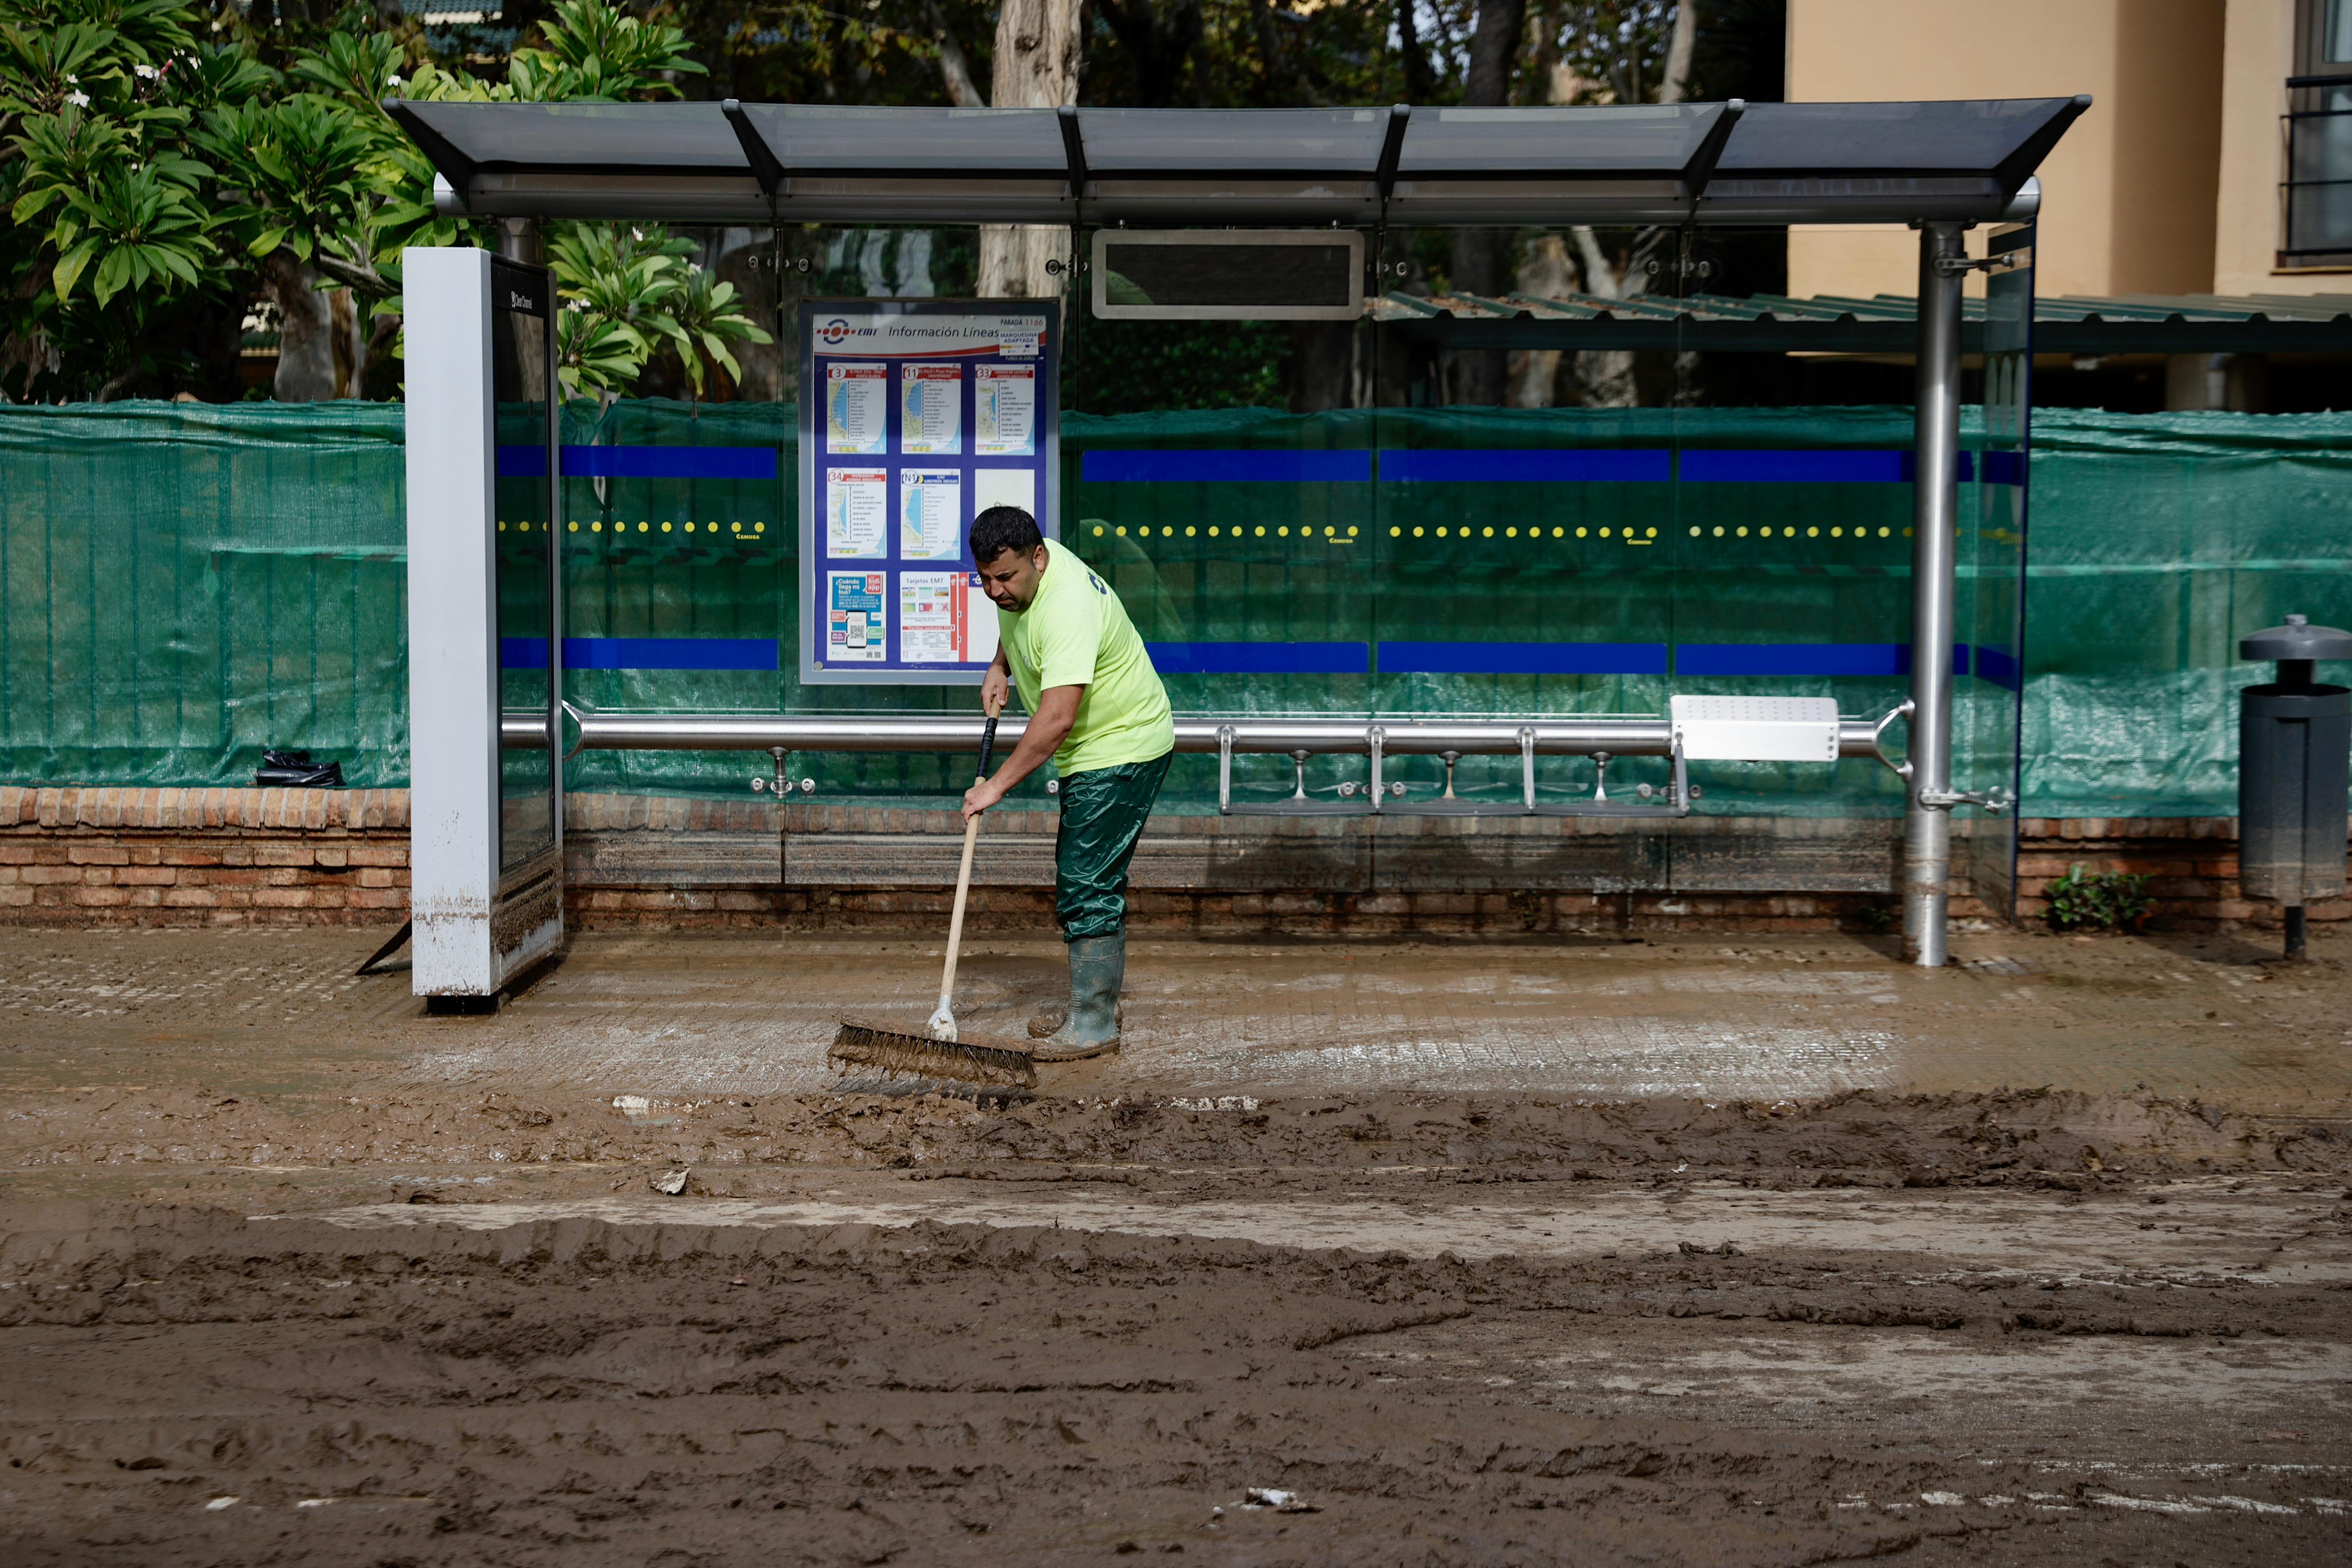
1259 658
1848 659
1878 467
642 462
1999 666
1519 465
642 653
2000 467
1523 658
1228 466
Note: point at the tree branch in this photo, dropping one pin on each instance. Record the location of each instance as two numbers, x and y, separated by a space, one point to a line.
955 72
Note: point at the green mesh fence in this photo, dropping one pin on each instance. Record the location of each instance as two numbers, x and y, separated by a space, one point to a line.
183 585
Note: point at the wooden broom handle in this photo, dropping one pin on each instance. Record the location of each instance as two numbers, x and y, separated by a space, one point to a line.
963 872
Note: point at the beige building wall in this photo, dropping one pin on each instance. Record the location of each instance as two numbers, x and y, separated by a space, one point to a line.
2257 59
2128 195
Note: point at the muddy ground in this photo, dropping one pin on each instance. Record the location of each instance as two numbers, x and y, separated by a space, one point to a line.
280 1285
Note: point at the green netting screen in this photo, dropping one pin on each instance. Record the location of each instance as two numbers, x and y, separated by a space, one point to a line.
183 585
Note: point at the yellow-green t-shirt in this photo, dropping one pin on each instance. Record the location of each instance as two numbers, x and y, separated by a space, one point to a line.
1075 633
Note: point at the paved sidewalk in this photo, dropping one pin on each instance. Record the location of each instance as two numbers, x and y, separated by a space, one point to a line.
670 1015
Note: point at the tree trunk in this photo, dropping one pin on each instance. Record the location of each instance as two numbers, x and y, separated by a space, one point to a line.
323 340
1479 255
1604 377
1678 53
1038 47
1420 76
1494 50
1547 273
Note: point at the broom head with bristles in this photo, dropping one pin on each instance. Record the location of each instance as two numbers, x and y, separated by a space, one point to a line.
896 1050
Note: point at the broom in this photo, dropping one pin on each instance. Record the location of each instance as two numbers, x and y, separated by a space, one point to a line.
938 1054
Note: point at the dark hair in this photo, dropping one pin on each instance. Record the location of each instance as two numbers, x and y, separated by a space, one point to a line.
1001 528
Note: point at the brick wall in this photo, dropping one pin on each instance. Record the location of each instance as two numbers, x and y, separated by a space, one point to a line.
198 857
103 855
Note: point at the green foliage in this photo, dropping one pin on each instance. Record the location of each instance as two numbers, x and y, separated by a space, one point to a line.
2102 900
154 162
629 293
141 227
597 53
300 167
711 323
1130 367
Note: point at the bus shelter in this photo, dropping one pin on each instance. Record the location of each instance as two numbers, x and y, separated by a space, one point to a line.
1402 518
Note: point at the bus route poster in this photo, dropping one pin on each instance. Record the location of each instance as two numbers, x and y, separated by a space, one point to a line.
916 415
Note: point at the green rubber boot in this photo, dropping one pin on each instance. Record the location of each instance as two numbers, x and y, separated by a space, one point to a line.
1098 965
1047 1020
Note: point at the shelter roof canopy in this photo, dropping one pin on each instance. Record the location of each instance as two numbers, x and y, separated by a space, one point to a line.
1637 164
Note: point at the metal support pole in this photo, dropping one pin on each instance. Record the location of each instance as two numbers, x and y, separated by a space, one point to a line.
1935 518
781 792
519 240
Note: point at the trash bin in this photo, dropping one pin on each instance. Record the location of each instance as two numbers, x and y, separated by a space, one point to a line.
2295 764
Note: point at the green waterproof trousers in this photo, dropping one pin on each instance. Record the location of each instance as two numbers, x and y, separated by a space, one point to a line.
1103 812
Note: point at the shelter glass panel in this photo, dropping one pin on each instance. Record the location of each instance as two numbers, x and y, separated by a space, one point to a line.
523 361
1988 693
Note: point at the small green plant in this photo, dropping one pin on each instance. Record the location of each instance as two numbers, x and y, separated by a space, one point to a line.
2102 900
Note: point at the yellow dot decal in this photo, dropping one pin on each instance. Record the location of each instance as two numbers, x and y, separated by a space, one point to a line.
502 528
664 528
759 528
1906 533
1187 530
1395 532
595 527
1742 530
1604 533
1812 533
1121 530
1330 531
1650 533
1580 533
1881 533
1352 530
1416 533
1507 533
1260 530
1441 533
690 528
1284 531
1097 530
1694 531
736 527
575 527
1719 530
1837 533
1559 533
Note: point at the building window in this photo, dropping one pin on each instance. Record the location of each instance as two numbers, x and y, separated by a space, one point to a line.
2317 192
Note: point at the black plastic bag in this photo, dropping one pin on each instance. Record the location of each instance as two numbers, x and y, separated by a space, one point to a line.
294 770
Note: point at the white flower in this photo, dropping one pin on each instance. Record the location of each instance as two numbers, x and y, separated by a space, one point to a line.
148 73
78 99
394 80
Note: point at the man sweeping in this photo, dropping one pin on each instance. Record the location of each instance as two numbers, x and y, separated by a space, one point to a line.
1097 709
